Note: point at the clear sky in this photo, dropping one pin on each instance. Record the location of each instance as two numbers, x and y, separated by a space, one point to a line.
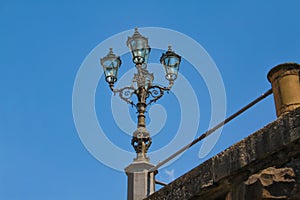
43 44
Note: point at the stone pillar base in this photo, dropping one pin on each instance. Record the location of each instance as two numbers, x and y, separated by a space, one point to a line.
141 183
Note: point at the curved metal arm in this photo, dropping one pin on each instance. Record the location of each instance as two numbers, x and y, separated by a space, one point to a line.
125 93
157 92
170 85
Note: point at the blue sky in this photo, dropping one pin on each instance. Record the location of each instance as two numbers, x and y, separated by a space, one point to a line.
43 45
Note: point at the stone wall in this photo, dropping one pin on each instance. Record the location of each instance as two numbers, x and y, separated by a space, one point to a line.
265 165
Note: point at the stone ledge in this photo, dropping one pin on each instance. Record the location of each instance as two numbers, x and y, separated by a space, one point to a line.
272 146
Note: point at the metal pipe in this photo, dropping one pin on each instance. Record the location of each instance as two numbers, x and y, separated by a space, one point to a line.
210 131
160 183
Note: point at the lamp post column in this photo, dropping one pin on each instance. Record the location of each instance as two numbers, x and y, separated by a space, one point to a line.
141 182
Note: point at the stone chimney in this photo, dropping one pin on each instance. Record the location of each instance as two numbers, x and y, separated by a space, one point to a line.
285 80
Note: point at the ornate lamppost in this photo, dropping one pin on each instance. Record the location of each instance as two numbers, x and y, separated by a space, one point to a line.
140 181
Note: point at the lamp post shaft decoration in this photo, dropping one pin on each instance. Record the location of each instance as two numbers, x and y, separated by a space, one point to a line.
142 84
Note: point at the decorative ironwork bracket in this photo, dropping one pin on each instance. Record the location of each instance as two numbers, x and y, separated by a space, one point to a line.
154 91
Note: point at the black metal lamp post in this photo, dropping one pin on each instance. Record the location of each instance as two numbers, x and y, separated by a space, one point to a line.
144 89
142 86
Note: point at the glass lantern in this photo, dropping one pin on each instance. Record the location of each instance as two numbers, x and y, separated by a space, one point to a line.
111 64
139 47
171 61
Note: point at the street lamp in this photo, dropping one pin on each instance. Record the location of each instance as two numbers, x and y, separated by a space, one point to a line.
146 92
111 64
